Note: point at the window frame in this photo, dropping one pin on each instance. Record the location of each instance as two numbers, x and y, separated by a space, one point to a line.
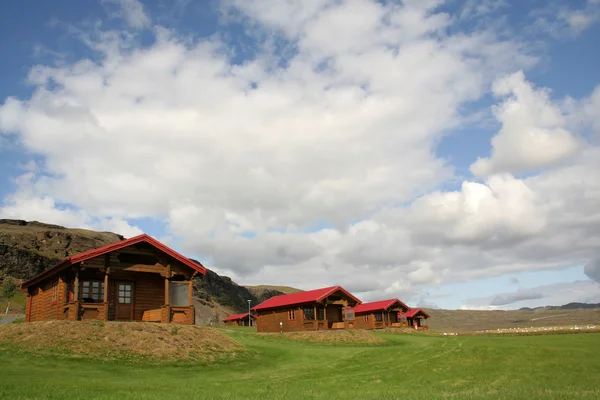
291 315
321 313
128 294
55 292
90 289
311 313
187 298
378 316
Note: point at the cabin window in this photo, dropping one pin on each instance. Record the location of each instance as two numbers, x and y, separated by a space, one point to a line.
366 318
321 312
291 315
378 317
92 291
385 317
55 292
349 314
309 313
178 294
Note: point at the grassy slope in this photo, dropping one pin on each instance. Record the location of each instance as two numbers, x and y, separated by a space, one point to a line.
470 320
17 302
132 341
409 366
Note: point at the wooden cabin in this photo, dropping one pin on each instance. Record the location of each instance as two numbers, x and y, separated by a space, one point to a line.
137 279
327 308
240 320
417 318
380 314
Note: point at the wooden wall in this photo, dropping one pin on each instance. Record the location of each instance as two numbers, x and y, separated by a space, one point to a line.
45 301
268 320
372 323
239 322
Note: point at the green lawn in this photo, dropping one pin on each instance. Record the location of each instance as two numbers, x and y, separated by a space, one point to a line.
563 366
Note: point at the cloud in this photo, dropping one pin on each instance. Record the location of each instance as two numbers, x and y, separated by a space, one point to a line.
561 20
533 133
426 304
556 294
25 204
501 209
591 111
592 269
132 11
520 295
310 162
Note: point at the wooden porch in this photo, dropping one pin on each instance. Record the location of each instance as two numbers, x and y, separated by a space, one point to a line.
329 315
119 287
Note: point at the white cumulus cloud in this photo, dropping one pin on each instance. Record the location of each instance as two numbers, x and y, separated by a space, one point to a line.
533 133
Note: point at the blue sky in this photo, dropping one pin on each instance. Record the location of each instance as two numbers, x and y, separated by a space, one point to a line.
442 152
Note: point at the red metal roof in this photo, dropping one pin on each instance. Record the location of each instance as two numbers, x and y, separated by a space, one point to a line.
112 247
310 296
238 316
378 305
415 311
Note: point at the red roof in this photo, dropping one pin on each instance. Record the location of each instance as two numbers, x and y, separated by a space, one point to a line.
378 305
415 311
113 247
310 296
238 316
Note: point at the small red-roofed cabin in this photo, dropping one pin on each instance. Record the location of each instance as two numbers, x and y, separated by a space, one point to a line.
320 309
240 320
137 279
380 314
417 318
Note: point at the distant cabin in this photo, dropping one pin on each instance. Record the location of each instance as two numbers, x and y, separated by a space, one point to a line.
380 314
137 279
320 309
417 318
240 320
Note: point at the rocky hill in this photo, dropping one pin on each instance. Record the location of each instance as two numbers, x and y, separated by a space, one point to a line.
27 248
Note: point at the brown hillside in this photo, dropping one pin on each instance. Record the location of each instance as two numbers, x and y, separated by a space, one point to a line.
133 341
471 320
264 292
27 248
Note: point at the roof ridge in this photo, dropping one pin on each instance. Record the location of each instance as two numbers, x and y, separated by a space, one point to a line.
86 255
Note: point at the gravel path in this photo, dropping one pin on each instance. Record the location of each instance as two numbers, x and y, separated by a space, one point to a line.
9 320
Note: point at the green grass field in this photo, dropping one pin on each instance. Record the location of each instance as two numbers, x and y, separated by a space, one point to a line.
562 366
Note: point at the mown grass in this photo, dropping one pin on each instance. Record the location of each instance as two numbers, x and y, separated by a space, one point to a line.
407 366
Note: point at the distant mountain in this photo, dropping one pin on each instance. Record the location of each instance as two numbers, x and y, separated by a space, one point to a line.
264 292
570 306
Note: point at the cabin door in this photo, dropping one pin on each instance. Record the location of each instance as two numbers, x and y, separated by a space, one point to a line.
124 309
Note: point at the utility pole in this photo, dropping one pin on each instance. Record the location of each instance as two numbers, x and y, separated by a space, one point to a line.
249 315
